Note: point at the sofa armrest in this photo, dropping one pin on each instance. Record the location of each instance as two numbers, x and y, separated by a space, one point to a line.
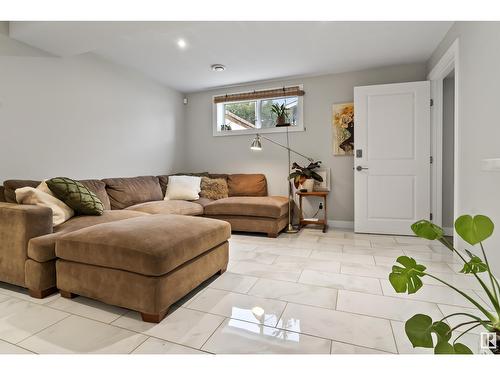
18 224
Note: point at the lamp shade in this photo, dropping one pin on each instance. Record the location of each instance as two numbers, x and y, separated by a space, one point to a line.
256 144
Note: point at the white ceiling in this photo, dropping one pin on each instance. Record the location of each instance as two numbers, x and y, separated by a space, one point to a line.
252 51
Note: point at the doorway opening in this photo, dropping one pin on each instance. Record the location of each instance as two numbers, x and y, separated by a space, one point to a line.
448 145
445 148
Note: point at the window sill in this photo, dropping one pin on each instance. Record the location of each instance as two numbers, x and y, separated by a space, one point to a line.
291 129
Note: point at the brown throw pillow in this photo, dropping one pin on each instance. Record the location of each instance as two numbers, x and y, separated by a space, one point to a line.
213 188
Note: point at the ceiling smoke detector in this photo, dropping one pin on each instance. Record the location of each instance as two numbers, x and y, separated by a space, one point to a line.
218 68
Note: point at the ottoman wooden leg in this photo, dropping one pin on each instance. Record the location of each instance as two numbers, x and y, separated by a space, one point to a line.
154 318
34 293
222 270
272 235
69 295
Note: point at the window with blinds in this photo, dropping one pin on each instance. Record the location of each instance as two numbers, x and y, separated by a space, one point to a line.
251 112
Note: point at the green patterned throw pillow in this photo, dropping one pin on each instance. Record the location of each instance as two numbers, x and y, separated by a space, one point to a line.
75 195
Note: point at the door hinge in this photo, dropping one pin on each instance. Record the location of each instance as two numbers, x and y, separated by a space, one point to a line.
431 159
431 102
430 216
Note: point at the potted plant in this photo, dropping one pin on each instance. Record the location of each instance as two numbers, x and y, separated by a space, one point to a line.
303 177
406 277
281 113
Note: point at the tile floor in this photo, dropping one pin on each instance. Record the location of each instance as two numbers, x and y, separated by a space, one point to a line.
304 293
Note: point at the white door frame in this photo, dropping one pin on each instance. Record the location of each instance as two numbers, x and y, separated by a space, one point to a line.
447 63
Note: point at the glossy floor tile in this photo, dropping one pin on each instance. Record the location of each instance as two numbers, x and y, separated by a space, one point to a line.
81 335
341 281
343 348
87 308
309 292
22 293
385 307
344 258
430 293
295 292
183 326
8 348
374 333
274 272
239 306
284 250
20 319
237 337
156 346
252 256
234 282
299 263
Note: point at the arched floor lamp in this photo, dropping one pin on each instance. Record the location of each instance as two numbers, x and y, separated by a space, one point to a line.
257 146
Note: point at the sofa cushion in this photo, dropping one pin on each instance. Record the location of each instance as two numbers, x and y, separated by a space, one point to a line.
42 249
10 187
271 207
224 176
203 201
75 195
213 188
152 245
125 192
169 207
164 179
98 187
247 185
43 197
185 188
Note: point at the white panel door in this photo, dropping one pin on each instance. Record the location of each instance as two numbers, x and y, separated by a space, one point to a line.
392 157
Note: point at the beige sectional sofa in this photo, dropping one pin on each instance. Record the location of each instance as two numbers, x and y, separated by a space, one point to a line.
30 246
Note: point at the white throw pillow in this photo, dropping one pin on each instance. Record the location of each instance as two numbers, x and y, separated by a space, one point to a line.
60 211
45 188
186 188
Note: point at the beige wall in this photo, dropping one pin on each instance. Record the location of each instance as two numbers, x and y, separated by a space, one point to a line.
83 117
479 129
233 154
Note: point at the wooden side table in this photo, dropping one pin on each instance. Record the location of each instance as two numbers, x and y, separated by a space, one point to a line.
322 222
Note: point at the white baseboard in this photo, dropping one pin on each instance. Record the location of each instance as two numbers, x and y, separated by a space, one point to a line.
350 225
341 224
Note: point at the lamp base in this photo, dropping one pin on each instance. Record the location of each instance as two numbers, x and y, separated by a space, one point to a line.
291 229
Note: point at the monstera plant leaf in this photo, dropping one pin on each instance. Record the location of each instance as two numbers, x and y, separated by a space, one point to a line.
420 328
406 278
474 229
475 265
447 348
426 229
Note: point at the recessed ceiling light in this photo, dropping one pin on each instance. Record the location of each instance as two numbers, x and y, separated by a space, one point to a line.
218 68
182 43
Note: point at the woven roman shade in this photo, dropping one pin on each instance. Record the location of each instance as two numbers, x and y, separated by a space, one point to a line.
262 94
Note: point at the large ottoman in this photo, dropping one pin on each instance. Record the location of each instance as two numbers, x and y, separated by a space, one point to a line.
145 263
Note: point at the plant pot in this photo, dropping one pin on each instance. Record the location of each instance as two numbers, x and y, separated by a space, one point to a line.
308 184
281 120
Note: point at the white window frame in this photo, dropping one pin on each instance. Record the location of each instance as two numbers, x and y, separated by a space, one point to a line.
218 107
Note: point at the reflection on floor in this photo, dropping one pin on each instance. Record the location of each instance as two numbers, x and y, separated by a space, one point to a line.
304 293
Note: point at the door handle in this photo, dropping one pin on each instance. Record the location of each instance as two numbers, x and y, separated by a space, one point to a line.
359 168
